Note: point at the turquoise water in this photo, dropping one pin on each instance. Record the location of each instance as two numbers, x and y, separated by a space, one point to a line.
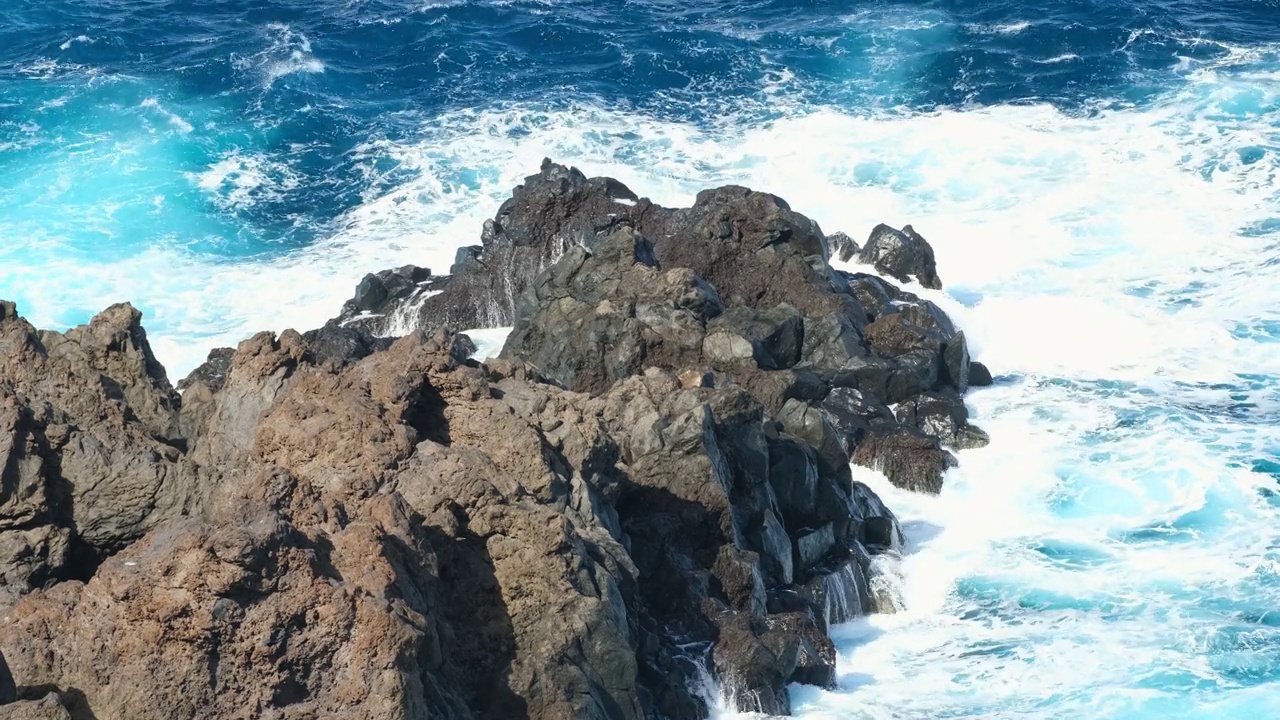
1098 179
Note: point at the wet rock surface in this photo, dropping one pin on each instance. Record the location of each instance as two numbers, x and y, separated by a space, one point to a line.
653 480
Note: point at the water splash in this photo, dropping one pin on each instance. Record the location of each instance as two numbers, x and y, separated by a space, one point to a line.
886 583
839 594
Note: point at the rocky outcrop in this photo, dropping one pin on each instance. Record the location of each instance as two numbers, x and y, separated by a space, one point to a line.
652 481
90 447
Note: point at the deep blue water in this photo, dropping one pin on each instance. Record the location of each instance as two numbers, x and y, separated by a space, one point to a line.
1099 180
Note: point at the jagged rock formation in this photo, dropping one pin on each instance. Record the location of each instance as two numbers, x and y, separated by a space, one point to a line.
652 477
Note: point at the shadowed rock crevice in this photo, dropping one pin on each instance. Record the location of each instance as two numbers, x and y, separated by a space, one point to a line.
41 702
482 646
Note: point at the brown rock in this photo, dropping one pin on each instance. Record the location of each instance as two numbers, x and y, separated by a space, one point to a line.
51 707
89 437
910 459
337 524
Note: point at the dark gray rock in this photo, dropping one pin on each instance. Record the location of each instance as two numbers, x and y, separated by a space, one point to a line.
852 412
602 315
871 293
842 246
813 546
341 344
813 427
793 473
955 363
212 372
771 338
465 259
798 633
776 560
944 416
831 340
889 379
979 375
837 593
903 255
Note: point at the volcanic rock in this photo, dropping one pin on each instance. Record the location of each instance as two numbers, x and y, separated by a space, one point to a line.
909 458
901 254
651 482
979 375
943 416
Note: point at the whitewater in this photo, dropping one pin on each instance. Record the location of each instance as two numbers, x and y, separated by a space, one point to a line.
1099 185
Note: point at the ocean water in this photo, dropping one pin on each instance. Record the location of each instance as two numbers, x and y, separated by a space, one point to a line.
1099 180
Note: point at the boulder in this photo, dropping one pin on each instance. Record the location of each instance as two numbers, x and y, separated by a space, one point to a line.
942 415
838 592
898 334
979 375
601 315
466 259
910 459
771 338
50 707
874 295
831 340
814 545
811 425
852 413
955 363
901 254
842 246
815 654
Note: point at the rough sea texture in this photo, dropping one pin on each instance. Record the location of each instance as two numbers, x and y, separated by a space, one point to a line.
1099 181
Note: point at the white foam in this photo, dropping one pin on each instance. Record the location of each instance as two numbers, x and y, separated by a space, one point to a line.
175 120
488 341
1011 28
287 52
240 180
1056 59
85 39
297 63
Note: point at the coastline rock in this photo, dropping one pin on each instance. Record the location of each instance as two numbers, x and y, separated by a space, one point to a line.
842 246
942 415
548 214
909 458
652 479
901 254
979 375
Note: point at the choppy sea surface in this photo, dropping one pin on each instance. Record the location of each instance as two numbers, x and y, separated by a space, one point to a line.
1099 180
